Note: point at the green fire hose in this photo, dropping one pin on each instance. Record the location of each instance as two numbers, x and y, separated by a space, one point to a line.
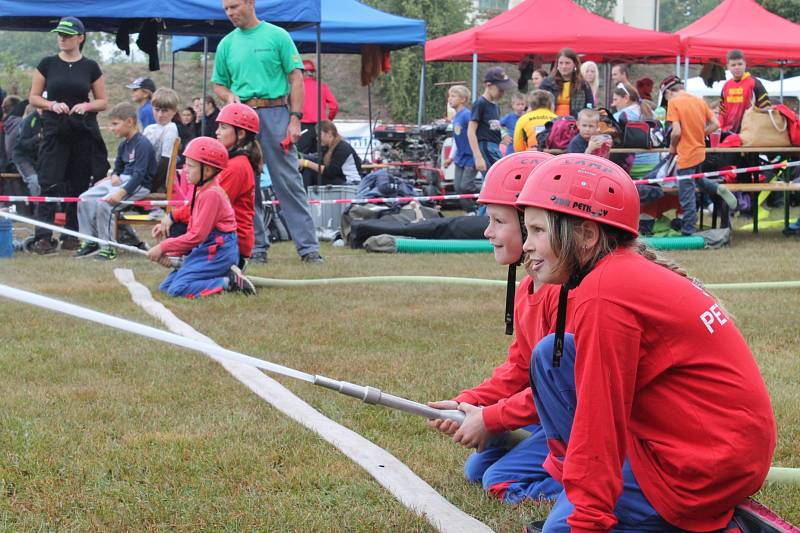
467 246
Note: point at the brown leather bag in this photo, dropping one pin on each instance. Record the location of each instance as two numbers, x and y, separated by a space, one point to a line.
764 127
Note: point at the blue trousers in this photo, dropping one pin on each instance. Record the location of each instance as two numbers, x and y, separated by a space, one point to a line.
688 199
205 269
516 474
554 395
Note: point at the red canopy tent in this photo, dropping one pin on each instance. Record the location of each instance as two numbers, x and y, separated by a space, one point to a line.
765 38
544 27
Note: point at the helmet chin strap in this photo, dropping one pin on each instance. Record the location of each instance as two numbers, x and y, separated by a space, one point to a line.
511 285
561 318
510 291
202 181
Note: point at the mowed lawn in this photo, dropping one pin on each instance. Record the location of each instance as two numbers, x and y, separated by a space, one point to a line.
102 430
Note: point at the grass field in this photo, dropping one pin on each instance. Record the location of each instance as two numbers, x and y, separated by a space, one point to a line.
102 430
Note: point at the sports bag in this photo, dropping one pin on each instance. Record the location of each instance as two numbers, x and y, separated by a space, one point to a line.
559 132
764 127
793 124
636 134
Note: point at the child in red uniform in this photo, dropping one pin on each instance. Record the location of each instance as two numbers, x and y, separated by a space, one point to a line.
666 420
504 401
237 129
739 93
210 241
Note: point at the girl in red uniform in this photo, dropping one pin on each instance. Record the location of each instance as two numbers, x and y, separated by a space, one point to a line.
237 130
210 242
665 423
504 401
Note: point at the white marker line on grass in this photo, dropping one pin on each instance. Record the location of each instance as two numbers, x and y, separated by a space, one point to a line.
387 470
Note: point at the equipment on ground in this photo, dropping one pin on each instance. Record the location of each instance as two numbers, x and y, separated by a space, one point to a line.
412 153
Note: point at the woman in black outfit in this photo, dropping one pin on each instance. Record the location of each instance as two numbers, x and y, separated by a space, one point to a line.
340 162
72 149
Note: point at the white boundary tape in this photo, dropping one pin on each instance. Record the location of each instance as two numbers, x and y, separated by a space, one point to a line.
387 470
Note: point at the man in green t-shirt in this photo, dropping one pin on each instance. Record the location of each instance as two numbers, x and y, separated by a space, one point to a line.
258 64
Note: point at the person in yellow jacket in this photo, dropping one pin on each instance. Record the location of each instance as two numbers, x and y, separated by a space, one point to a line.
541 105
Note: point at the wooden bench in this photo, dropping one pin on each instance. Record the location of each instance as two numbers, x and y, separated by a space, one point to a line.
132 219
715 150
721 208
755 188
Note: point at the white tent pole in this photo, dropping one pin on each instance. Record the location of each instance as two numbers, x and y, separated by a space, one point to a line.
678 65
686 69
474 76
781 64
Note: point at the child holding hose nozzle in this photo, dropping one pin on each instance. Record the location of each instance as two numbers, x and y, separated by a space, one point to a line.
237 130
210 240
653 405
504 401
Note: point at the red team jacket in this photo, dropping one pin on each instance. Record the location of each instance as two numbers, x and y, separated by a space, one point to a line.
664 378
212 210
239 184
506 395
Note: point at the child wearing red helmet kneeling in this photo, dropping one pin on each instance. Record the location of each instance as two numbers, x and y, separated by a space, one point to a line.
504 402
664 422
210 240
237 130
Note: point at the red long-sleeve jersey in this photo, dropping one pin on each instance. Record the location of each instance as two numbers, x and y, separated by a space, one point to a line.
212 210
506 395
664 377
238 183
737 97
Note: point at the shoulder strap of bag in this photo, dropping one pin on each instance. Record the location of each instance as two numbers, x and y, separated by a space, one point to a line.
772 119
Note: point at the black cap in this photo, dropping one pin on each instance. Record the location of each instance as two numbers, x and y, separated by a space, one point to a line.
142 83
69 26
497 76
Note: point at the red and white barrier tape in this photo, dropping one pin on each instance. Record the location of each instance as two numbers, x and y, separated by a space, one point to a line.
75 200
716 173
159 203
405 199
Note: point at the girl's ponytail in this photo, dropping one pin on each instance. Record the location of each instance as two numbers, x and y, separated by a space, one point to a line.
250 147
641 248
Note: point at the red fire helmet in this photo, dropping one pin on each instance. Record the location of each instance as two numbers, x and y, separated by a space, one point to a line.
504 180
207 151
585 186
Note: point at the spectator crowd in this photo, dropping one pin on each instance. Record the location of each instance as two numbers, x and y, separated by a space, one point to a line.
562 113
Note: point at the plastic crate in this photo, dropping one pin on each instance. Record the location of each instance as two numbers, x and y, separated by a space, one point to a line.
328 217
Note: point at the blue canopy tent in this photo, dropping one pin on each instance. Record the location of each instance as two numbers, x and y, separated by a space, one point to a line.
345 27
177 17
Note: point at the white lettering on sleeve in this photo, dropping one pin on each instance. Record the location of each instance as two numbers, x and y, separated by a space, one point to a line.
714 314
707 318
